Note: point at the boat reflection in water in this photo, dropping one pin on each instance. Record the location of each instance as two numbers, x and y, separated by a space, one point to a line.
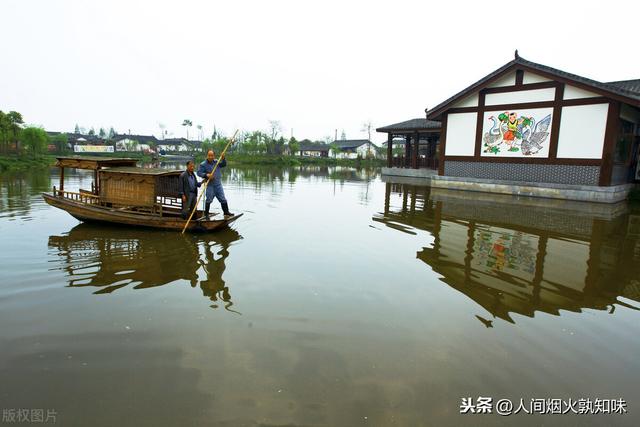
110 258
523 255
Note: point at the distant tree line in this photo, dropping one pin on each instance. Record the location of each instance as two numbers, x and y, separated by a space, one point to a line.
17 138
14 138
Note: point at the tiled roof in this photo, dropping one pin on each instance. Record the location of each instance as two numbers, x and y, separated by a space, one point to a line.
350 143
628 85
313 146
620 89
140 138
413 124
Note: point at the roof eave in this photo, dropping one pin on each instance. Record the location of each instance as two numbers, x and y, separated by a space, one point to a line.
436 112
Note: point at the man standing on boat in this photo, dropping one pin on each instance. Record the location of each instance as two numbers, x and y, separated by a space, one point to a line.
214 188
189 189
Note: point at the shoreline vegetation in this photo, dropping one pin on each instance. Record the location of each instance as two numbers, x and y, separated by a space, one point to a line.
11 163
27 146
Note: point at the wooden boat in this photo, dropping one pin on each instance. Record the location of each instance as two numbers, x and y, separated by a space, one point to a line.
122 193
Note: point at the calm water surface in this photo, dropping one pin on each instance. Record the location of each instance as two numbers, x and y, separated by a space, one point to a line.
338 299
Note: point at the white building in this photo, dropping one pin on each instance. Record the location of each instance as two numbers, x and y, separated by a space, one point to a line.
527 128
353 149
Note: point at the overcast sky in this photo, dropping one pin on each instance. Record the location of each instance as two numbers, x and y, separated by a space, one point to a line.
315 66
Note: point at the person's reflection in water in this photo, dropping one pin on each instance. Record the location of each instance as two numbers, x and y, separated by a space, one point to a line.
111 258
214 285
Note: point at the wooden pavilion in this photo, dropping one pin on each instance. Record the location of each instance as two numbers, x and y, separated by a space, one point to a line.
421 139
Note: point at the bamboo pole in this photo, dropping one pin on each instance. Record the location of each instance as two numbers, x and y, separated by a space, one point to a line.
204 189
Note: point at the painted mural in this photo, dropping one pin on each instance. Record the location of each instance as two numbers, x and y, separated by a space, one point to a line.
517 133
500 251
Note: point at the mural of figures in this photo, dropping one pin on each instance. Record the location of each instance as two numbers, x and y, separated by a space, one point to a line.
523 133
500 250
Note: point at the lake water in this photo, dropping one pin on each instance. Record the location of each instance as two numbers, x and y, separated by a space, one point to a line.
338 299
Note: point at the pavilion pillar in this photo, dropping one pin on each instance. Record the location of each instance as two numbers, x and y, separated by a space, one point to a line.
389 150
387 198
414 151
407 150
61 179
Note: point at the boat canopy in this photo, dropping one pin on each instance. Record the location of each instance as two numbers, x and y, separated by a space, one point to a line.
142 171
93 162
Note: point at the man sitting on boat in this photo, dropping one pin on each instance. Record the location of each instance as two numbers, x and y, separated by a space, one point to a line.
189 189
214 188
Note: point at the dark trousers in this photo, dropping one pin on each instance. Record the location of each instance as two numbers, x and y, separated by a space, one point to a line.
187 207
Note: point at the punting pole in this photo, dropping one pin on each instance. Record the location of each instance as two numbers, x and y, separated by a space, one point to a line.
204 189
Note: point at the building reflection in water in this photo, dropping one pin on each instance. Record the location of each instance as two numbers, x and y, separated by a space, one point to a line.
110 258
523 255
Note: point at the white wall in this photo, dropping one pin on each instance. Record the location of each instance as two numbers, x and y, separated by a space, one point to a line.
572 92
310 153
582 129
508 80
461 134
536 95
469 101
529 78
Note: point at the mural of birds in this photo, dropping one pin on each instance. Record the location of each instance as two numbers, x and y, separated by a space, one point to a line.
532 140
494 136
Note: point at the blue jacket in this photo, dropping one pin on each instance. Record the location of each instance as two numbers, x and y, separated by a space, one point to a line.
206 167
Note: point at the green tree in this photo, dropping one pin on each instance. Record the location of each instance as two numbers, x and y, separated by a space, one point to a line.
279 145
102 133
131 145
10 127
35 140
294 146
61 142
4 137
335 148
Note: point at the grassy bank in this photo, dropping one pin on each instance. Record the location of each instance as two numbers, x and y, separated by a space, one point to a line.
13 162
17 163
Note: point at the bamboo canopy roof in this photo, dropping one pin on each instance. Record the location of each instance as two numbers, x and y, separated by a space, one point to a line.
132 170
93 162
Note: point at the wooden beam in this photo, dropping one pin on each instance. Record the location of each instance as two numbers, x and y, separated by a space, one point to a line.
519 77
387 197
407 150
415 149
443 141
555 123
62 179
526 105
520 88
390 150
479 123
609 146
